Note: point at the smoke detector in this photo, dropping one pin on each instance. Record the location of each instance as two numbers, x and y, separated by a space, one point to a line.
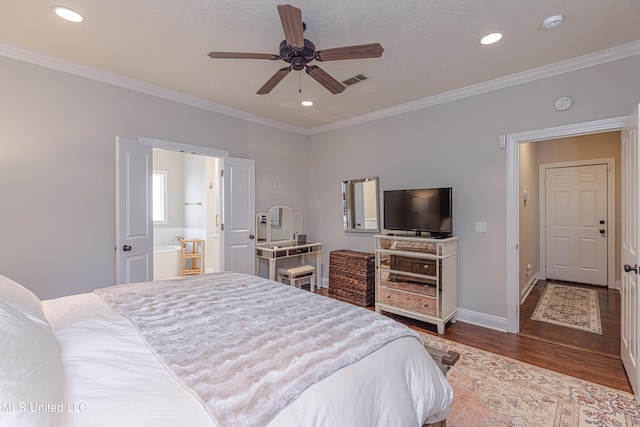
552 22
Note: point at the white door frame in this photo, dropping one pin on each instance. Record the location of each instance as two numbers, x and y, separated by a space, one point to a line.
611 210
183 148
512 144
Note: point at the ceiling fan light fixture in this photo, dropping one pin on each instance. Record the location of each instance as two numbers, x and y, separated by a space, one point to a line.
491 38
68 14
307 103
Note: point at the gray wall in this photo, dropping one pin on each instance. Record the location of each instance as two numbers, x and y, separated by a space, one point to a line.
529 250
57 169
456 144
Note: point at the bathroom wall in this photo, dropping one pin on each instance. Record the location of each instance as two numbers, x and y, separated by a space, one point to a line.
172 163
194 198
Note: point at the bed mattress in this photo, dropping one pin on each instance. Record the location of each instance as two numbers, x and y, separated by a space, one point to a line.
113 378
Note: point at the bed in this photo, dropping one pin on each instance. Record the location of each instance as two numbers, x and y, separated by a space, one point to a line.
212 350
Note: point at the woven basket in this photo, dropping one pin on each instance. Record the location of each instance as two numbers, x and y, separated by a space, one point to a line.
352 277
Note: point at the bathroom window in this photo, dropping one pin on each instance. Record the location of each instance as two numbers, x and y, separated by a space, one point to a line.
159 197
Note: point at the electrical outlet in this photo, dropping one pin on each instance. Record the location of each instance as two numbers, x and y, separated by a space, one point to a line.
481 227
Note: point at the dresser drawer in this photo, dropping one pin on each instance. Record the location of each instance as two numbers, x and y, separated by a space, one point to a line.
421 266
421 303
392 281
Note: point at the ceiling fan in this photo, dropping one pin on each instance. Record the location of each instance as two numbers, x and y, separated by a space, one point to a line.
298 51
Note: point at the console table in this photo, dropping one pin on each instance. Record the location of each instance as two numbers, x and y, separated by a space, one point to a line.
274 253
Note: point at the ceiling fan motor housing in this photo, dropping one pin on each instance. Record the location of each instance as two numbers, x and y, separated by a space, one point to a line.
297 57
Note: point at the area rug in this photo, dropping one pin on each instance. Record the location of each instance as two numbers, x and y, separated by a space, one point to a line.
495 391
571 307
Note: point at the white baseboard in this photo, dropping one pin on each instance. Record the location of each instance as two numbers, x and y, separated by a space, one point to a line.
527 290
481 319
468 316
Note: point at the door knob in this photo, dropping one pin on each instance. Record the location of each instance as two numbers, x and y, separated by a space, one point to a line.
602 222
628 268
602 231
251 237
126 248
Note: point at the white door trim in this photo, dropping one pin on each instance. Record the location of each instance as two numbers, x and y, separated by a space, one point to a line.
183 148
611 211
512 143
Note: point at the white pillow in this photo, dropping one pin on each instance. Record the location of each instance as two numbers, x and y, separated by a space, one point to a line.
22 299
31 372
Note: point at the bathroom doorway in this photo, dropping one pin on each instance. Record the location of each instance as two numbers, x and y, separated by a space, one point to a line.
186 205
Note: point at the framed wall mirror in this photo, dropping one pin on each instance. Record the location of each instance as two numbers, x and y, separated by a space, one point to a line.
361 205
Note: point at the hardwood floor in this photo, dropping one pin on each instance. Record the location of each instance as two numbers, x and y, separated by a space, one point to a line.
559 349
607 344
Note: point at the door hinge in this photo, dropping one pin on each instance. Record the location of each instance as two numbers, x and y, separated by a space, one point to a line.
221 172
222 227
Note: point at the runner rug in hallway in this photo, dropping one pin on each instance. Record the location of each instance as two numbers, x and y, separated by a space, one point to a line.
496 391
571 307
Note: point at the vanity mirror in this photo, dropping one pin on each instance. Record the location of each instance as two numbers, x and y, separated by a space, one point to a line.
278 225
361 205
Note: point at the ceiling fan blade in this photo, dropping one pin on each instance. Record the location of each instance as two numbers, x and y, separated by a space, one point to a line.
239 55
274 80
325 79
372 50
291 18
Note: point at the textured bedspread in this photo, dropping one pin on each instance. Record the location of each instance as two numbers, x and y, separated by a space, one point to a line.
246 346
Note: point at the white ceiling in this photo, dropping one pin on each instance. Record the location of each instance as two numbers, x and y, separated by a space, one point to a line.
431 47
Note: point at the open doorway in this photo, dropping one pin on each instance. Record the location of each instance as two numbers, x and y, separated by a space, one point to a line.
512 143
134 225
186 205
548 157
569 209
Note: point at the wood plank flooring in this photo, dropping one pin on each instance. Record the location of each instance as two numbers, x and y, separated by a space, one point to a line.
607 344
591 357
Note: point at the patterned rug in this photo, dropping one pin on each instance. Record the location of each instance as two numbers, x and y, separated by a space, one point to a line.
495 391
571 307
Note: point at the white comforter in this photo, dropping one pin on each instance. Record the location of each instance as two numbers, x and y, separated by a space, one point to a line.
113 379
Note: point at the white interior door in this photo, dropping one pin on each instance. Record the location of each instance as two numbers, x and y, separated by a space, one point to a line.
134 220
629 252
239 221
576 224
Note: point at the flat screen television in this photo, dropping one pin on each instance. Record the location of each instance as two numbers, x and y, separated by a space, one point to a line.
420 210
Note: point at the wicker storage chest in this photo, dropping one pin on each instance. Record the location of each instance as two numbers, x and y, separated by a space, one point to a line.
352 277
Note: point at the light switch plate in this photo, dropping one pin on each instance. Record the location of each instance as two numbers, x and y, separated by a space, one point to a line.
481 227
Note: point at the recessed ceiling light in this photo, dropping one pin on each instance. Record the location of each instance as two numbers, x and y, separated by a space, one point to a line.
552 22
306 103
68 14
491 38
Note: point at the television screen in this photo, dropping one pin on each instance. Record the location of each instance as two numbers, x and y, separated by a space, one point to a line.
426 209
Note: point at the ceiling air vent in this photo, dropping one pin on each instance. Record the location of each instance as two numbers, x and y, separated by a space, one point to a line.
355 79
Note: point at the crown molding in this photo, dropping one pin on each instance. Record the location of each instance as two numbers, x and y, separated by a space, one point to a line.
607 55
603 56
19 53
